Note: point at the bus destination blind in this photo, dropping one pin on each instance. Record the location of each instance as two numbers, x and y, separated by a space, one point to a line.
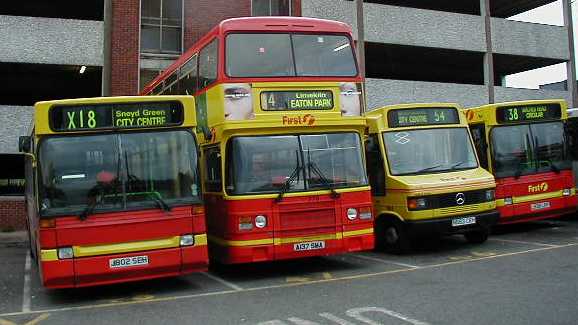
528 113
296 100
115 116
422 116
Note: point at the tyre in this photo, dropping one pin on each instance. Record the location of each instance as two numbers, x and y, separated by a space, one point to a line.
477 237
392 236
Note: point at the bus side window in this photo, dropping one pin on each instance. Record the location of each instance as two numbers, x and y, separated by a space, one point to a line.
208 64
479 136
375 166
188 77
213 169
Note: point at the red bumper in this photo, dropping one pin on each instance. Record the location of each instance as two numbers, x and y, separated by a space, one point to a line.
96 270
523 212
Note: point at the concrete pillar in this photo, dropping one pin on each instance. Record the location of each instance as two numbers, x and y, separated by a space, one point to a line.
571 64
488 56
106 48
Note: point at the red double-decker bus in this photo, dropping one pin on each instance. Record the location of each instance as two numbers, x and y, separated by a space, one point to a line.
278 106
113 190
524 145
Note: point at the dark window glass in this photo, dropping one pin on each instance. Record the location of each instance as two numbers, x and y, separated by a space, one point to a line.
114 172
213 169
425 151
263 164
529 148
323 55
479 136
161 26
208 64
188 77
289 55
271 8
375 168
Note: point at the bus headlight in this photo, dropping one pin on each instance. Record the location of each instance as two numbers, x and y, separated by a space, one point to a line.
490 195
187 240
351 214
65 253
260 221
245 223
508 201
566 192
417 204
365 213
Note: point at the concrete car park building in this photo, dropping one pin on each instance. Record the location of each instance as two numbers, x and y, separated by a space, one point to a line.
415 50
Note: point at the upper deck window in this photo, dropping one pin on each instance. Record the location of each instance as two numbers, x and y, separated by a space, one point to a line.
161 26
289 55
271 8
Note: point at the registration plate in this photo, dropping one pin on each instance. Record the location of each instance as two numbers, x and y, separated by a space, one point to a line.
463 221
128 261
309 246
540 205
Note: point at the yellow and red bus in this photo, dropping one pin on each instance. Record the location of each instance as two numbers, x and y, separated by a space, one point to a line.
113 190
523 144
572 132
278 105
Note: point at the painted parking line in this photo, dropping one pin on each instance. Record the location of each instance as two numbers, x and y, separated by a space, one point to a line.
286 285
26 297
513 241
381 260
222 281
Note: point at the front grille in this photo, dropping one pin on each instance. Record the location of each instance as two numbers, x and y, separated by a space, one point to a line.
307 218
470 197
459 210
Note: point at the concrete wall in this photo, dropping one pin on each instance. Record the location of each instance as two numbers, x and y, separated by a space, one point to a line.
528 39
51 41
381 92
15 121
504 94
406 26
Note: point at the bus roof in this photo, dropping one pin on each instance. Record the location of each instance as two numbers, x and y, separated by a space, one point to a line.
252 24
487 114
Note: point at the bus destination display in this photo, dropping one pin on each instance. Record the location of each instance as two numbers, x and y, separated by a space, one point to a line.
114 116
517 114
422 116
296 100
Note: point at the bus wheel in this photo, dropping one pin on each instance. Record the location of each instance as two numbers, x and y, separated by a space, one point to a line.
477 237
392 236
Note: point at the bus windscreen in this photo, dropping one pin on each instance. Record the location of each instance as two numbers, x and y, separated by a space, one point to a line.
289 55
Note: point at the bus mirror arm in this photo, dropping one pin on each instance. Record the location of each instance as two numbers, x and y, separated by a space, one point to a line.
31 156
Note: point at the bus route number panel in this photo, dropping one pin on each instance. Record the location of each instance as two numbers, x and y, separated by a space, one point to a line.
115 116
422 116
296 100
528 113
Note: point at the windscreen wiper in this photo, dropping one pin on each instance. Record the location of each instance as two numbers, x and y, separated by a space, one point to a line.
287 183
159 201
313 167
88 210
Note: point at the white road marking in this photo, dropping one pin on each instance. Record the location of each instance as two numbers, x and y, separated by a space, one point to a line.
223 281
356 313
26 290
523 242
377 259
287 285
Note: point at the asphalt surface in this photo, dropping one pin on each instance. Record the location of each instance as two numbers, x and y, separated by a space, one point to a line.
524 274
